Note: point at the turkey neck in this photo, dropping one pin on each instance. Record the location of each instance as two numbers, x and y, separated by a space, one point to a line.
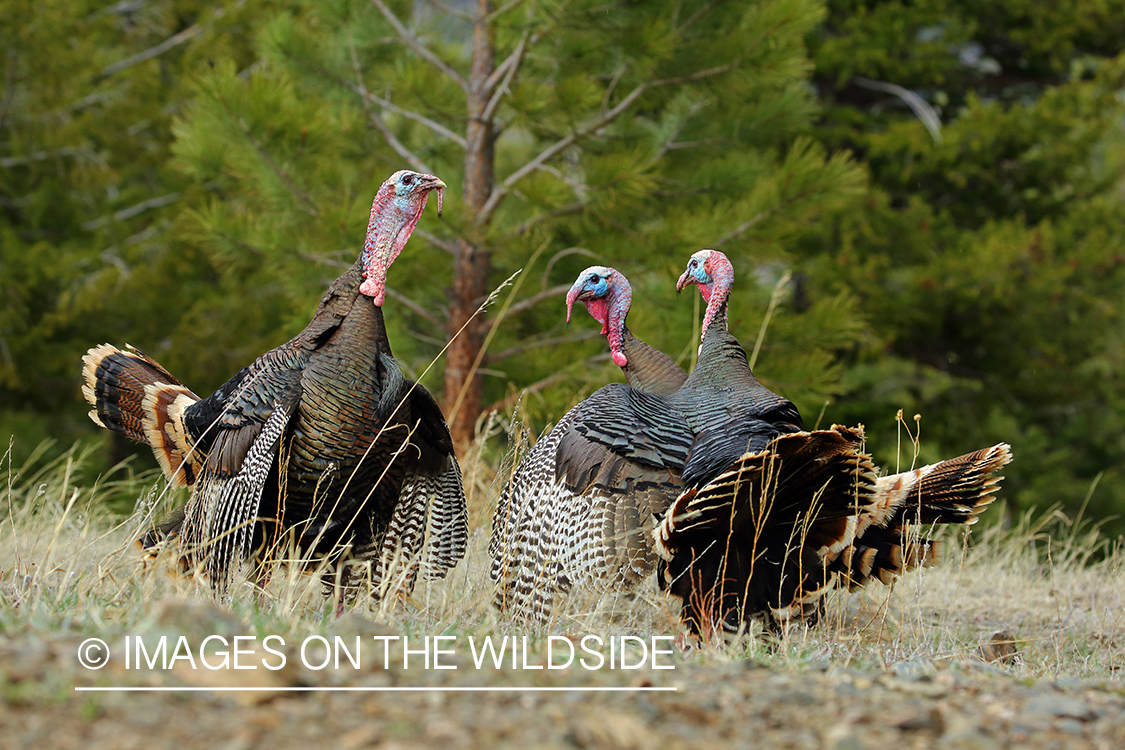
722 360
343 299
649 369
722 392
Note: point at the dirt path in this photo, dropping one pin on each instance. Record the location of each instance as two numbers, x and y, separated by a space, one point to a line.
918 704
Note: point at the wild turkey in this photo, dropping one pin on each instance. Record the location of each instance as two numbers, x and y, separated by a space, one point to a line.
772 515
577 513
321 442
589 484
607 295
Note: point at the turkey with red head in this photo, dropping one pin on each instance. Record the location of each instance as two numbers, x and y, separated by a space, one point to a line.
772 515
607 295
321 444
579 509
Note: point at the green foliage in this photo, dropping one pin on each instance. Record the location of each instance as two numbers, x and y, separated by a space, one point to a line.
89 244
296 146
989 262
197 201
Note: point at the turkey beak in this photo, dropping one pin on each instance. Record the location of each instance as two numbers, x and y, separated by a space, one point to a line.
685 279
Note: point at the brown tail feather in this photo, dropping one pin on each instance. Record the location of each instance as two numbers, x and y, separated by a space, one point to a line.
133 394
771 535
955 491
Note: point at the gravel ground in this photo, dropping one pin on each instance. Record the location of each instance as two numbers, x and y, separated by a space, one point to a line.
917 704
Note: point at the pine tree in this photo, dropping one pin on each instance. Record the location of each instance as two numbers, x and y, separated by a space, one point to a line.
630 133
88 198
988 256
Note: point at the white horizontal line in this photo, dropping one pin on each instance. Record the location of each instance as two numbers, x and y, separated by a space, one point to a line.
357 689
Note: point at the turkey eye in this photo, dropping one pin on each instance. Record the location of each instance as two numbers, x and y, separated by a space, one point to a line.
408 179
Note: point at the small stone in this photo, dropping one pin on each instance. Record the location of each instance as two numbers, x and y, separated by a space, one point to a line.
1069 726
1000 648
928 720
1059 706
915 669
849 741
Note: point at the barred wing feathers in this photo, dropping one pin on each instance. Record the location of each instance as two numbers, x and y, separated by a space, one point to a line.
580 508
429 526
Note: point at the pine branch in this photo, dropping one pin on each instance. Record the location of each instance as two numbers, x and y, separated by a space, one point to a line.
506 403
325 260
585 335
15 161
513 63
386 104
433 125
580 188
131 211
436 241
415 308
170 43
377 120
514 59
449 10
695 17
392 140
613 85
553 150
501 10
698 75
420 49
742 228
535 299
562 254
670 142
921 108
269 160
501 190
757 219
567 210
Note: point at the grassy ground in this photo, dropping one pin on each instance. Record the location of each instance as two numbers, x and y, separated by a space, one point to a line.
904 664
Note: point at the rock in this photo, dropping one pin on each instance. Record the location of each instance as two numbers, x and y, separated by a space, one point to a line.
926 720
1000 648
1059 706
917 669
196 619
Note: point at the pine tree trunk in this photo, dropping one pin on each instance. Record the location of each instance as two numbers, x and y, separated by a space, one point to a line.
462 391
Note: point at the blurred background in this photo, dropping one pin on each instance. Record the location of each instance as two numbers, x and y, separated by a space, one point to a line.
923 203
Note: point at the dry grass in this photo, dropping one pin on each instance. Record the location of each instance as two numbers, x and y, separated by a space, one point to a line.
68 565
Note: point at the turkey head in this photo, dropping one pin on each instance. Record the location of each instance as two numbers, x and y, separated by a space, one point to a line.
395 211
607 295
713 273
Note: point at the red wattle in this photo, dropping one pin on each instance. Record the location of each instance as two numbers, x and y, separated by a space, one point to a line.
373 290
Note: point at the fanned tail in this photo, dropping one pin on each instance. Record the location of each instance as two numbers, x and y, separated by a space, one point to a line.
955 491
134 395
757 539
